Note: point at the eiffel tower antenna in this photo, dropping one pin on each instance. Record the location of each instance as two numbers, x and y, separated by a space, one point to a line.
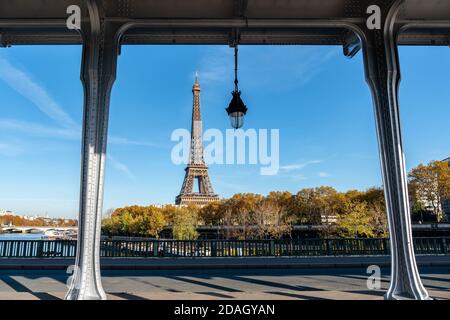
196 76
196 170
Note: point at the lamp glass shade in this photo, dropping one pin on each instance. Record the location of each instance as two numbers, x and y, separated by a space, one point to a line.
237 119
236 110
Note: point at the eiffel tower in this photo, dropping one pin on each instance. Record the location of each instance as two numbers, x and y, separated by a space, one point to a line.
196 168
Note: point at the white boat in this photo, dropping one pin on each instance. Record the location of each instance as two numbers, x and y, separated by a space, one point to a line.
53 235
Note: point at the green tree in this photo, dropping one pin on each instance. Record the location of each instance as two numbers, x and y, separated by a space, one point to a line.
356 221
185 223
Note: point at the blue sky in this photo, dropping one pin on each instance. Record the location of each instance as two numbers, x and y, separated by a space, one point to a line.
316 98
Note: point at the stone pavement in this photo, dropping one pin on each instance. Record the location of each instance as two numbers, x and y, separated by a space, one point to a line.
244 284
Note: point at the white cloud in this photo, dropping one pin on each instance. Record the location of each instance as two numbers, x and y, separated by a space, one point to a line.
126 141
298 177
63 133
289 171
119 166
40 130
323 174
298 166
26 86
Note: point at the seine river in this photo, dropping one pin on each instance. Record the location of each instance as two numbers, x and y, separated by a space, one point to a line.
20 236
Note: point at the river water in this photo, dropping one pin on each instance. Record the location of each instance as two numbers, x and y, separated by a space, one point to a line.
21 236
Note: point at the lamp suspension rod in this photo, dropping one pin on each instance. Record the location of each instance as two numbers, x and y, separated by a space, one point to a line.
236 68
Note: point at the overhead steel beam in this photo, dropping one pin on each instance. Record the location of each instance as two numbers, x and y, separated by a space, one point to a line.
352 45
241 8
188 31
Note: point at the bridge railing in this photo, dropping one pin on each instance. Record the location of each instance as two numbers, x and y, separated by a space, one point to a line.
37 248
218 248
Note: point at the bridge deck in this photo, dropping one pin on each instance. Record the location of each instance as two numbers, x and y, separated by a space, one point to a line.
219 284
317 22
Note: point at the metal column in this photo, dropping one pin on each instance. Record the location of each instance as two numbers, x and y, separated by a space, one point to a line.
100 52
383 76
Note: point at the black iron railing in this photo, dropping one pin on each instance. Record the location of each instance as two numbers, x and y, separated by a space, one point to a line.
218 248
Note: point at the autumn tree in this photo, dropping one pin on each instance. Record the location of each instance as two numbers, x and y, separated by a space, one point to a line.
309 204
285 200
248 215
314 205
213 213
135 221
272 216
149 223
169 212
374 199
430 184
239 214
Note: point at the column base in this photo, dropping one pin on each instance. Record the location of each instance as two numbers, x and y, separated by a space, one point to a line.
405 296
79 295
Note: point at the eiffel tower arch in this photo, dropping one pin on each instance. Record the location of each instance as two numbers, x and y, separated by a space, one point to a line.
196 170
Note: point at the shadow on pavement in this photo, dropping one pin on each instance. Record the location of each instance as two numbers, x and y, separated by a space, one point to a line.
18 287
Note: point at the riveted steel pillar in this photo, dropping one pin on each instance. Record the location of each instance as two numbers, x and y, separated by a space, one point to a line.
383 76
98 71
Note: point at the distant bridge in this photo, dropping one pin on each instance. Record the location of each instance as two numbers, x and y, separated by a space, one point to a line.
25 229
